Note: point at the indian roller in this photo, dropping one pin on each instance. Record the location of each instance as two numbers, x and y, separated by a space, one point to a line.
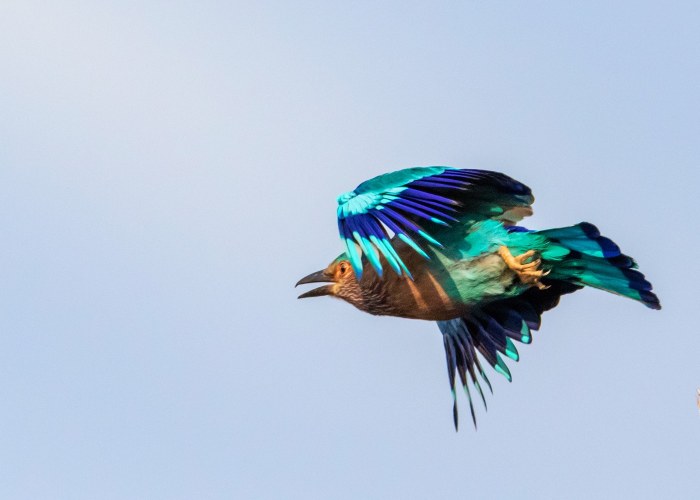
443 244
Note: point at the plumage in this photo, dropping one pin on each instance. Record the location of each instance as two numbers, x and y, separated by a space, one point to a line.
411 202
442 244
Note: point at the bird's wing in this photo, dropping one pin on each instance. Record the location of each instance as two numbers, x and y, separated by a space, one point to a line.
415 203
490 330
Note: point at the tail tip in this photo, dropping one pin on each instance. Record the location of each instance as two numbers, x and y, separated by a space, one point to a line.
650 300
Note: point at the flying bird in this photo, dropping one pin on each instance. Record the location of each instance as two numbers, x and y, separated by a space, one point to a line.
444 244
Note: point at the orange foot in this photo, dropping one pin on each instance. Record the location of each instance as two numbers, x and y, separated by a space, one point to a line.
528 272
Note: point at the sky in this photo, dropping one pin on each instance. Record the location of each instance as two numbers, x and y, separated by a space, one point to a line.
169 170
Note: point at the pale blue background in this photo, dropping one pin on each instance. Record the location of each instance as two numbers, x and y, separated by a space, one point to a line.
169 170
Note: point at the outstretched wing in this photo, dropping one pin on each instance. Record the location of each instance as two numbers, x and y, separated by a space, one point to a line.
490 331
415 203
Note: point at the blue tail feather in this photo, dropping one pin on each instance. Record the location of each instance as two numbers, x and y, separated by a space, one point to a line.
586 258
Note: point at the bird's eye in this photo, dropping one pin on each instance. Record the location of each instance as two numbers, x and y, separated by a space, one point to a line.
343 268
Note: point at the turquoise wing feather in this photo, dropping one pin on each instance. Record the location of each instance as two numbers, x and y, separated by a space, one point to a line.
420 204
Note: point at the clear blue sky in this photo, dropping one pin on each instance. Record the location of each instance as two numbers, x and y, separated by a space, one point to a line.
168 170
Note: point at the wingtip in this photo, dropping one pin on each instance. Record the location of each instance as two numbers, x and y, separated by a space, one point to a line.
455 416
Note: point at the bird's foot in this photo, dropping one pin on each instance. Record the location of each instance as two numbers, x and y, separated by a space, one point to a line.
528 272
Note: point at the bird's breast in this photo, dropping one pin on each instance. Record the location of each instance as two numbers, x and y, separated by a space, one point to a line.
424 297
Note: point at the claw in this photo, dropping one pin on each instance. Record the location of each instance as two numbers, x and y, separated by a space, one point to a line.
528 272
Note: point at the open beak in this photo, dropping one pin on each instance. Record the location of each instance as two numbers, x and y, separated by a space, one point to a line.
317 277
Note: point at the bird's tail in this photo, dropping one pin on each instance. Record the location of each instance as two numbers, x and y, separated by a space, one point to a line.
581 256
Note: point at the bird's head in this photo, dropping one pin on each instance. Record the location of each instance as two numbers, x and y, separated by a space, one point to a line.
341 278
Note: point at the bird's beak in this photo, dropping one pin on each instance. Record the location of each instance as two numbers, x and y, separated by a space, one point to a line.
317 277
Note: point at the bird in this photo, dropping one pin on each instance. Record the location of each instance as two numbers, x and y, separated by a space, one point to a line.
445 244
